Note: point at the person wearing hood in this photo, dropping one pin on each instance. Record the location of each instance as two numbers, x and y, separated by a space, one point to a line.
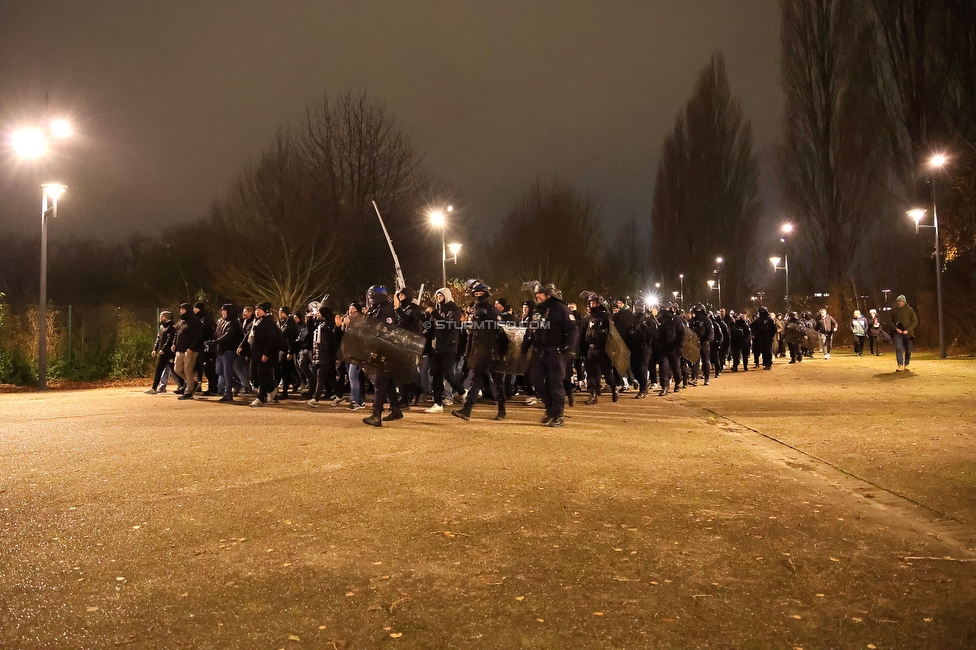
443 328
187 346
902 321
163 351
228 335
702 325
597 332
763 332
381 308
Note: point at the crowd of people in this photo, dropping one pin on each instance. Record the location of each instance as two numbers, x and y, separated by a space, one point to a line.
475 350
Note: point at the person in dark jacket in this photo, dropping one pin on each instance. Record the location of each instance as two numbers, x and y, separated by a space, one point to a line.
718 327
671 338
242 360
187 346
741 342
163 351
286 368
228 335
325 347
873 331
826 326
207 359
641 341
702 325
596 329
763 332
265 342
902 321
443 327
381 308
552 334
486 341
411 317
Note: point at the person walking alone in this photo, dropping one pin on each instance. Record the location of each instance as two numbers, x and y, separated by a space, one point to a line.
902 321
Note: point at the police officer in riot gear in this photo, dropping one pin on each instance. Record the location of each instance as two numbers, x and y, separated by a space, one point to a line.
381 308
641 340
552 334
671 337
763 333
596 329
486 340
702 325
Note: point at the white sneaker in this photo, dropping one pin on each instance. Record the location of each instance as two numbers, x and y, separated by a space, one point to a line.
826 356
336 401
257 402
530 401
312 402
152 391
655 386
436 408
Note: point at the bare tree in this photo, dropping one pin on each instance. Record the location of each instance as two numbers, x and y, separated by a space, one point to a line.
706 199
551 234
835 158
299 220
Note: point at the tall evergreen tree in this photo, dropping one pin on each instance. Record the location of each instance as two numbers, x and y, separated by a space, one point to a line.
706 198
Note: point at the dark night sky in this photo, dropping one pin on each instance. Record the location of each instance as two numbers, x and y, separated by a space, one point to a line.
171 98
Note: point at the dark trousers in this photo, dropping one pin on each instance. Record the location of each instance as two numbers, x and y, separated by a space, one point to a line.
670 363
858 345
796 355
478 378
715 358
548 370
163 360
875 345
640 361
764 348
706 360
288 372
326 381
385 392
740 352
597 364
443 366
262 374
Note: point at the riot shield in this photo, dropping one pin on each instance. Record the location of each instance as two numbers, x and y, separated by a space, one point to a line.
691 349
487 341
513 362
382 349
805 337
618 351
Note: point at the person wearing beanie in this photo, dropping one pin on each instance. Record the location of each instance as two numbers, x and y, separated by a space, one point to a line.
411 317
187 346
163 352
443 328
874 330
902 321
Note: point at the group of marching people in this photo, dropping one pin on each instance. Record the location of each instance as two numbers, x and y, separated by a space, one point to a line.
467 352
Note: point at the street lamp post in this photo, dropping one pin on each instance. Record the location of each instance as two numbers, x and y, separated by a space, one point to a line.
786 267
32 143
438 220
917 215
52 191
716 285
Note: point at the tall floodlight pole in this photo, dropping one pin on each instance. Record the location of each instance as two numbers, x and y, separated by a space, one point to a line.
32 143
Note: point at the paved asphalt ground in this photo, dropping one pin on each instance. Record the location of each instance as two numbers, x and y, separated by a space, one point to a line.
826 505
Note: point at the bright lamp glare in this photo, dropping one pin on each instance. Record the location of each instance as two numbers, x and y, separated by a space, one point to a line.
787 228
29 143
437 218
652 298
61 128
454 248
938 160
917 214
711 284
54 190
719 260
775 260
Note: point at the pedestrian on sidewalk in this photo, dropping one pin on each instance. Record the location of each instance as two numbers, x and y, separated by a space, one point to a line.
859 326
902 321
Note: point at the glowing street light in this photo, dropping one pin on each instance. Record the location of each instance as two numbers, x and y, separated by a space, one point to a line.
61 128
681 279
786 267
938 160
917 214
439 220
716 285
455 249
